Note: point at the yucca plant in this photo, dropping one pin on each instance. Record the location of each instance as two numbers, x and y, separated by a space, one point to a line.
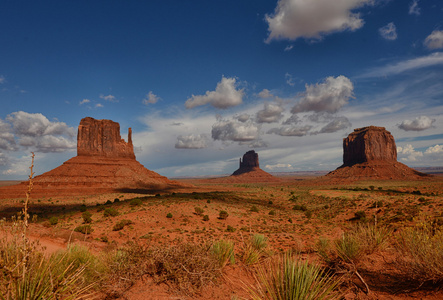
255 249
223 251
288 278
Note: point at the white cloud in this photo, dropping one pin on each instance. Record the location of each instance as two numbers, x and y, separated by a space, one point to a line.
289 47
278 167
291 131
272 112
337 124
434 40
418 124
430 60
84 101
289 79
243 117
328 96
437 149
151 98
2 79
388 32
37 132
225 130
409 153
292 120
7 140
192 141
293 19
225 95
265 93
98 105
413 8
109 98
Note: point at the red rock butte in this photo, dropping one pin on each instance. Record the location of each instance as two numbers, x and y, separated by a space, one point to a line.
249 171
370 153
105 163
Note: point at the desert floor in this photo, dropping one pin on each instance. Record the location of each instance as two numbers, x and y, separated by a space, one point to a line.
293 214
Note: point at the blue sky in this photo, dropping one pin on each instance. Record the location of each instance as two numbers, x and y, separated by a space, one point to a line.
202 82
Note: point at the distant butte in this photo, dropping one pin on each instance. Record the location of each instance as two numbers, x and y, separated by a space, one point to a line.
249 171
104 163
370 153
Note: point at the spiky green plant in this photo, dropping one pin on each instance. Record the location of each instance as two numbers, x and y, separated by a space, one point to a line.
223 251
288 278
255 248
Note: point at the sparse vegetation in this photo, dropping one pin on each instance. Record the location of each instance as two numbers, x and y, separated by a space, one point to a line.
223 215
110 212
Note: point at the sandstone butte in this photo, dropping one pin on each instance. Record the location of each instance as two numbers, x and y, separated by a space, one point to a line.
249 171
370 153
104 163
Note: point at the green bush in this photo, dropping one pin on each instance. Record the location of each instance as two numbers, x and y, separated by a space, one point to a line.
300 207
169 216
272 213
230 229
205 218
53 220
136 202
87 217
198 210
121 224
254 209
85 229
83 208
223 215
255 249
110 212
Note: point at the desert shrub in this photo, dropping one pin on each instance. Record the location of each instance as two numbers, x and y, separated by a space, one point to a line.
370 237
205 218
121 224
85 229
110 212
208 201
108 202
348 248
100 208
255 249
230 229
223 251
360 215
421 253
300 207
169 216
223 215
83 208
272 213
116 200
198 210
53 220
270 202
136 202
288 277
254 209
87 217
308 214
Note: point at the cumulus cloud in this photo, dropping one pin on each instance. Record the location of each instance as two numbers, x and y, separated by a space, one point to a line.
413 8
434 40
265 94
437 149
418 124
291 130
150 98
99 105
293 19
7 141
226 130
272 112
109 98
409 152
388 32
337 124
225 95
328 96
84 101
192 141
242 118
37 132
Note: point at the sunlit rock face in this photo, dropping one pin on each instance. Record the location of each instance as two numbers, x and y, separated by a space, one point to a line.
370 153
102 138
369 144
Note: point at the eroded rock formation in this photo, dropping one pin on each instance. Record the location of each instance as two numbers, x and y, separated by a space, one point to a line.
249 170
249 163
104 163
102 138
370 153
369 144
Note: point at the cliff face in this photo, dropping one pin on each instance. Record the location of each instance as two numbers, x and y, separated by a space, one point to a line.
369 144
370 153
102 138
250 160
